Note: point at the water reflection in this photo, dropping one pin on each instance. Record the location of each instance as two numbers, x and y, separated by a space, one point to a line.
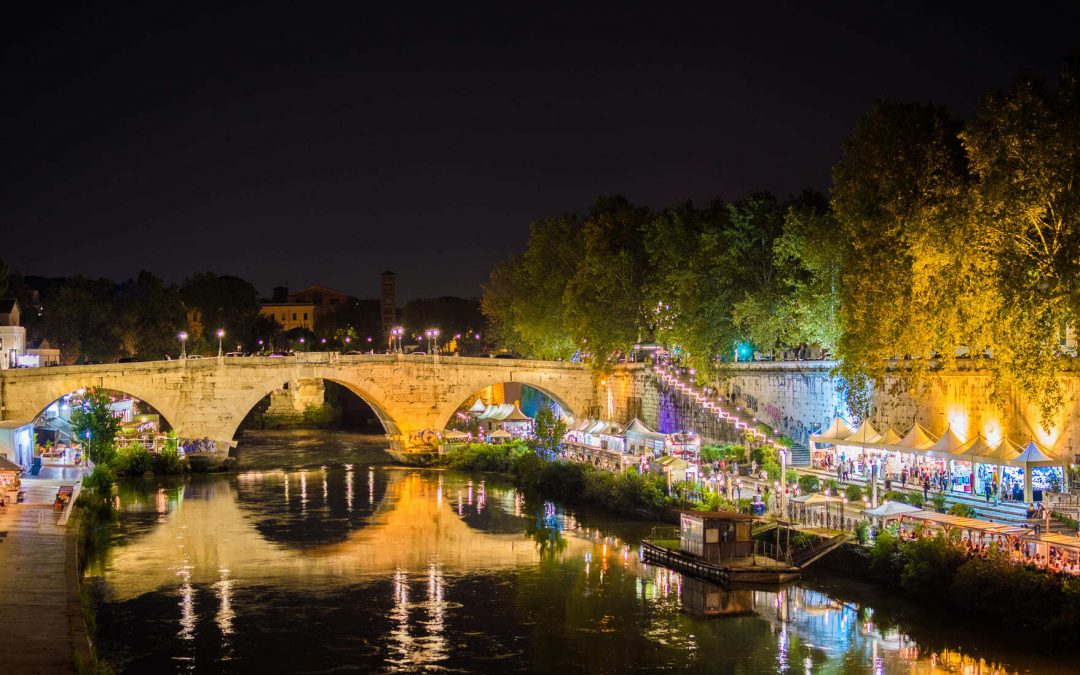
439 571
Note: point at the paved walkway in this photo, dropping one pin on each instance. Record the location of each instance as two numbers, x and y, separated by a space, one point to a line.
35 617
39 610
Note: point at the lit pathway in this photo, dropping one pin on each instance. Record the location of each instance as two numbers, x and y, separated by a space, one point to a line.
38 604
35 616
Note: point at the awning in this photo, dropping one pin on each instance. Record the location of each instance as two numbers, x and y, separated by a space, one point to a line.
1059 540
477 407
949 521
947 445
888 438
837 431
1001 454
865 435
1034 454
499 433
917 439
891 509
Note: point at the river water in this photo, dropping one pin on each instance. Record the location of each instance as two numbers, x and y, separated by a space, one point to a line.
317 556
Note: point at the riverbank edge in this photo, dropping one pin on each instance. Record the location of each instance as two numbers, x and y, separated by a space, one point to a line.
81 610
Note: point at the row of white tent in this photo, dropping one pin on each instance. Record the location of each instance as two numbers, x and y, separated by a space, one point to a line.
918 440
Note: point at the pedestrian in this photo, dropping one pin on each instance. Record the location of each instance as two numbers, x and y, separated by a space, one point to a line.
926 489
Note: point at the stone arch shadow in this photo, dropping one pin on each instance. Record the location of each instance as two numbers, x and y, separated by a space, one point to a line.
455 401
266 387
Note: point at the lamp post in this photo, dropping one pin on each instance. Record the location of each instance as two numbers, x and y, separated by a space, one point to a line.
220 334
183 344
783 477
435 339
301 344
395 340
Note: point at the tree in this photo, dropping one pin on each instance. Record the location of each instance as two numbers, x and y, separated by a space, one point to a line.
908 286
149 315
809 256
525 295
95 426
226 302
80 320
548 434
1024 148
604 301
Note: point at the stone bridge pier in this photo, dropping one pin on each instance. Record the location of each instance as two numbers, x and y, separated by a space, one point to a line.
210 397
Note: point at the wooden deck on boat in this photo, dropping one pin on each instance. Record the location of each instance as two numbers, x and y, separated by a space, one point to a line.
756 569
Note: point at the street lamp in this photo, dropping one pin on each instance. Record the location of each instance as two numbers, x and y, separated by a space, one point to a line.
433 339
220 334
397 332
301 344
183 344
322 341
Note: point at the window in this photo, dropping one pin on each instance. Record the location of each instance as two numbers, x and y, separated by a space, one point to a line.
305 316
294 316
283 316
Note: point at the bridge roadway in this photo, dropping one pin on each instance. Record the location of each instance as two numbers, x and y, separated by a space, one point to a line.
209 398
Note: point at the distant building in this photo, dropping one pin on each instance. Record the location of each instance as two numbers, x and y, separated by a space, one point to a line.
13 348
290 315
12 335
324 299
388 301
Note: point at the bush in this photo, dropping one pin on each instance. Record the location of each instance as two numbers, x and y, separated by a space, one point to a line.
100 480
168 460
322 416
134 460
809 483
897 496
938 500
485 456
853 493
931 564
862 532
962 510
772 469
831 484
916 500
885 557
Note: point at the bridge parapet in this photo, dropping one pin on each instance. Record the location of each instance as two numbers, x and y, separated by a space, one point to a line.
209 397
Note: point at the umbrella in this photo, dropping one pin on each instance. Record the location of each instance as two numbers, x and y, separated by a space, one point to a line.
891 509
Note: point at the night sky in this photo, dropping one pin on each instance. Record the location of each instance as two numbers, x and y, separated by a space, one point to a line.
320 143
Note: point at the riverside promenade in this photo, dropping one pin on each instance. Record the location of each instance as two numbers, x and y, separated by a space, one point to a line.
40 617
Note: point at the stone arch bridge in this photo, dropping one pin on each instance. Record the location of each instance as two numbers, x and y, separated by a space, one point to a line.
209 398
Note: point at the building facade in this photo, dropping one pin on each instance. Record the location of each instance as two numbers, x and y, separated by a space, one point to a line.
290 315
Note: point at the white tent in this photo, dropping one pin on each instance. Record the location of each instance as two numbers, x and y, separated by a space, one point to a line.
837 431
889 437
1034 454
477 408
917 439
947 445
865 435
891 509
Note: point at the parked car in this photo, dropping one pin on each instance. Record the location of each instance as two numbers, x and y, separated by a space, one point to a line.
353 352
233 355
195 356
128 359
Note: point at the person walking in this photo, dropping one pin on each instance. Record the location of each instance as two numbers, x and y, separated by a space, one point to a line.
926 489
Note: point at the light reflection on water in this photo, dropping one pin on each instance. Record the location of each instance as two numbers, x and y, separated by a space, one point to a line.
264 578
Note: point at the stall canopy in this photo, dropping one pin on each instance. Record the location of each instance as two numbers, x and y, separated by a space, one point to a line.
837 431
1058 540
891 509
865 435
636 426
812 499
454 434
917 439
1001 454
499 433
947 445
950 522
889 437
1034 454
478 407
971 450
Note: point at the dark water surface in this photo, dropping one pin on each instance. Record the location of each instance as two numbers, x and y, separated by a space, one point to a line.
316 556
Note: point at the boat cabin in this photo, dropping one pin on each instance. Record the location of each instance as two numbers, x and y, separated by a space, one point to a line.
716 535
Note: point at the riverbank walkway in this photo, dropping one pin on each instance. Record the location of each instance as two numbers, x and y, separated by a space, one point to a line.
40 616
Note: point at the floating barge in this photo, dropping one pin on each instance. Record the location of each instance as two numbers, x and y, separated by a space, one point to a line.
718 546
753 569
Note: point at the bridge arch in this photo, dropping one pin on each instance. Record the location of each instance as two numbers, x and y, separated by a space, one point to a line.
271 384
56 391
455 402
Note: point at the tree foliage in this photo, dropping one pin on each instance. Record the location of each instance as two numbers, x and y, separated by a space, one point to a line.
94 424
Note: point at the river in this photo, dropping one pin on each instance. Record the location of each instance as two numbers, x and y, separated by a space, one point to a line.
316 555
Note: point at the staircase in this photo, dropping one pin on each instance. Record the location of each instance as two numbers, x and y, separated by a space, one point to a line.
800 455
804 558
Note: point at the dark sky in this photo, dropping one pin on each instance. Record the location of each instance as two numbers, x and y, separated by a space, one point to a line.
309 142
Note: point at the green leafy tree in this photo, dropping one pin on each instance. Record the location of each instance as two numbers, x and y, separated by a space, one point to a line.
94 424
79 320
148 317
226 302
604 302
548 433
524 298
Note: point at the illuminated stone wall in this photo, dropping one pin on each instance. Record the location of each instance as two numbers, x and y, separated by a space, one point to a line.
797 398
